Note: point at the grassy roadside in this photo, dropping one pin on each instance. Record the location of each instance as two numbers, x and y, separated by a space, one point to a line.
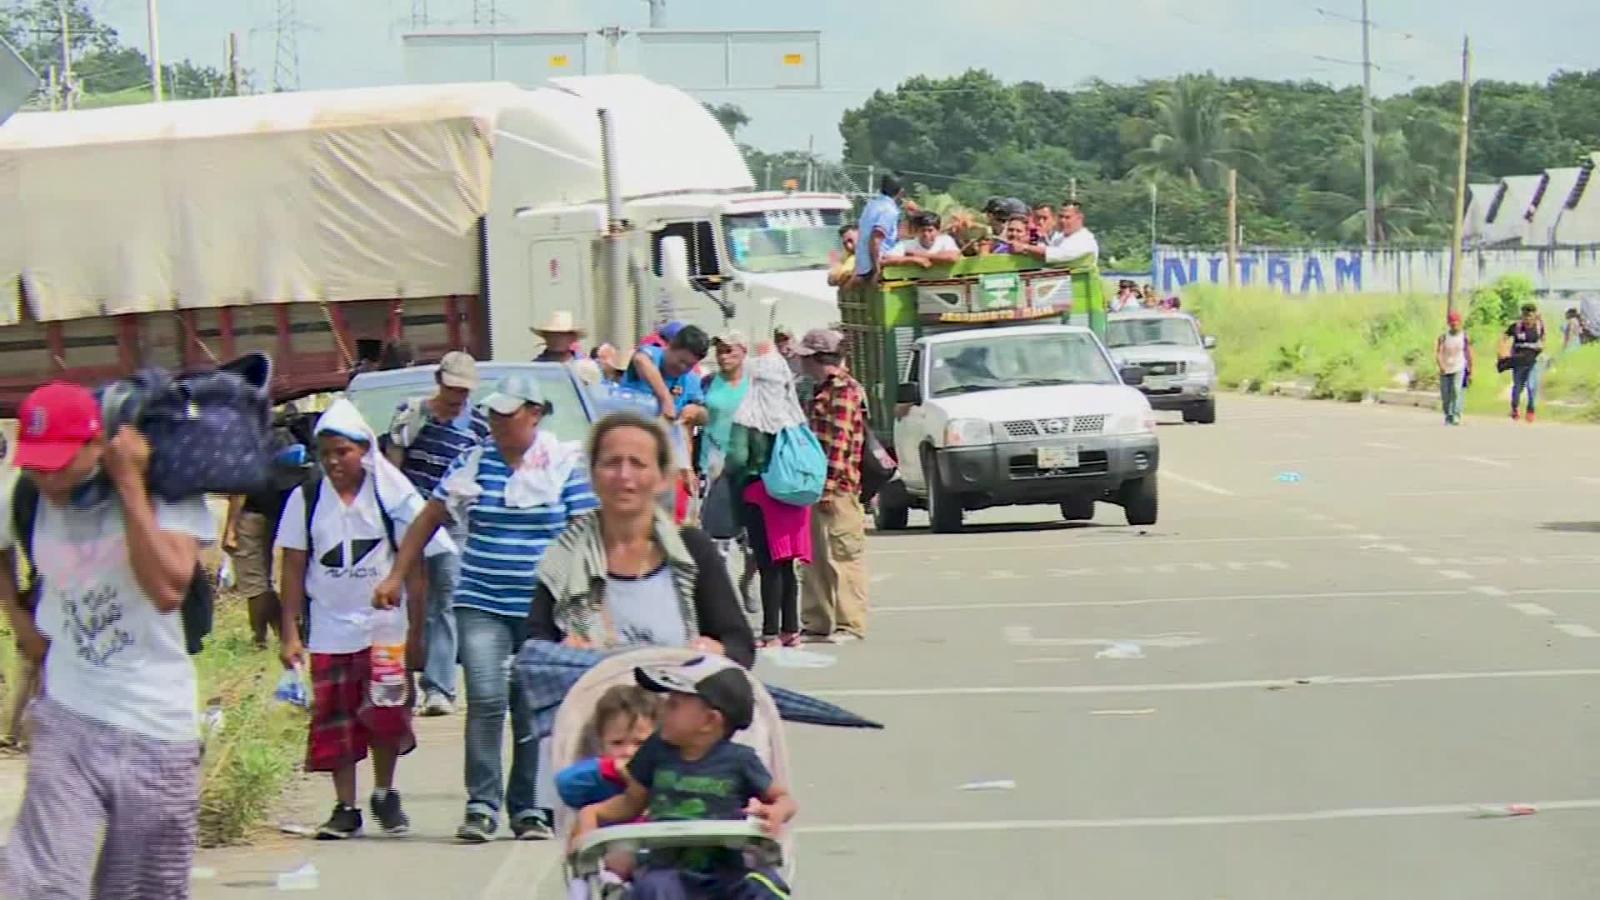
252 759
1350 346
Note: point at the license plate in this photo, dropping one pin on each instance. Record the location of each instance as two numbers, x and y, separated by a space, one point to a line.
1159 383
1058 457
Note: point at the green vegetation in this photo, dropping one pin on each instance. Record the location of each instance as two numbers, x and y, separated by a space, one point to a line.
1347 347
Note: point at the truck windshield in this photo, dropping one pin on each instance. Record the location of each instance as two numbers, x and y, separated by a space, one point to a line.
567 419
964 367
1176 331
782 240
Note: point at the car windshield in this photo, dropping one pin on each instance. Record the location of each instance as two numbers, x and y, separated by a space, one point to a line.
567 419
1174 331
782 240
964 367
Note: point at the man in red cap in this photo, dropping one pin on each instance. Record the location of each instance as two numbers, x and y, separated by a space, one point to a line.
1454 354
112 799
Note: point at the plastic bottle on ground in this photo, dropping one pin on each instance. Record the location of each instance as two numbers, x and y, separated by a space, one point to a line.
388 684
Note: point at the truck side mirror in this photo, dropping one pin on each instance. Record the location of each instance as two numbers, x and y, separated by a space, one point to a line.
908 393
1133 376
675 260
1209 342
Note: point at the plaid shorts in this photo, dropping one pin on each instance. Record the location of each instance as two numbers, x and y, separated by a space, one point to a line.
344 721
86 778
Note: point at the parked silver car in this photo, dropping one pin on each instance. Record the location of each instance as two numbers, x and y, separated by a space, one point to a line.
1176 358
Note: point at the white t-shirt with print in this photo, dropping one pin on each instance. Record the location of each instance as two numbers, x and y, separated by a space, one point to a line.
350 554
114 657
944 243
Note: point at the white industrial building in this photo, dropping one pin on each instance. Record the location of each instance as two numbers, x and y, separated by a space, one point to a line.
1556 208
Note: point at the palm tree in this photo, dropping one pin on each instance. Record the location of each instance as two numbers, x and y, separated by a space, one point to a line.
1198 139
1412 200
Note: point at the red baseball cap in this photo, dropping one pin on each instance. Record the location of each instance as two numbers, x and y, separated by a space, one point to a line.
53 424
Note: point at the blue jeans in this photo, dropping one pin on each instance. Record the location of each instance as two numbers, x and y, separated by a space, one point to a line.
439 672
1450 395
488 642
1524 378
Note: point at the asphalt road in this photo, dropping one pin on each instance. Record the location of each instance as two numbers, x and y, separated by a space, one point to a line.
1352 629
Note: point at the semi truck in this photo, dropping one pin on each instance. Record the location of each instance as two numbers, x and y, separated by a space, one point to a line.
313 225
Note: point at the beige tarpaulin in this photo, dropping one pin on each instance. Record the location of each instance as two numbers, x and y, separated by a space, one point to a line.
284 197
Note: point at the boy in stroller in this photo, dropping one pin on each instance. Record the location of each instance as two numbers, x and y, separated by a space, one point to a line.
690 769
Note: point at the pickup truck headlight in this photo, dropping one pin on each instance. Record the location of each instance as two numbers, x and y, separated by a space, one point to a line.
967 433
1141 421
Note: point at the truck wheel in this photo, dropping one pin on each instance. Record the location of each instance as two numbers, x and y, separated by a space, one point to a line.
1204 413
1138 499
1080 509
893 510
944 509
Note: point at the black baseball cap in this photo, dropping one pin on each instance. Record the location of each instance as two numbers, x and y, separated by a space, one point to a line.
719 682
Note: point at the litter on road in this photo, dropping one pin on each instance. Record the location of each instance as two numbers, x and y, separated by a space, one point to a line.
1508 811
301 879
1003 784
1290 477
1121 650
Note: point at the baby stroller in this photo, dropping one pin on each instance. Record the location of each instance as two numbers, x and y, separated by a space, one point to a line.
765 735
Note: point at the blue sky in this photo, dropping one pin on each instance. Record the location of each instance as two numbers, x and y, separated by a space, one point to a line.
346 43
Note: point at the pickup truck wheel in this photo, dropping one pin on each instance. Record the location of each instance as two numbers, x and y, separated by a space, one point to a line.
1204 413
1138 499
893 509
944 510
1078 510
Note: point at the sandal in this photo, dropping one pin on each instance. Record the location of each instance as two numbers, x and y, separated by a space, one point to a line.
792 639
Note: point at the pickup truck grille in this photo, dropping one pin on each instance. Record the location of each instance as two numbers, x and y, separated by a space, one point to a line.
1022 429
1090 462
1165 368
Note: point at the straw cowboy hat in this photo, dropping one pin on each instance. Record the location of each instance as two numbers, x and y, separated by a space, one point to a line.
561 322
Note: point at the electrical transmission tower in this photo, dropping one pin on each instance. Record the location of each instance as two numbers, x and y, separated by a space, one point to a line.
286 47
484 14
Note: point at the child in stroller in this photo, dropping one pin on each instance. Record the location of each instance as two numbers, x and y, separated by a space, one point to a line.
698 786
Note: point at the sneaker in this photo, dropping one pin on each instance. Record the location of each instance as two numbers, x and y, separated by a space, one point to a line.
435 703
390 814
477 828
1530 417
790 639
344 823
532 828
1515 415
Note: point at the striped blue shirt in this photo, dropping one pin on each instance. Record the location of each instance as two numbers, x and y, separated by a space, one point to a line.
500 561
438 444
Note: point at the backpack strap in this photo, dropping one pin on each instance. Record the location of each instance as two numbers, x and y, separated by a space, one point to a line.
310 491
383 513
24 516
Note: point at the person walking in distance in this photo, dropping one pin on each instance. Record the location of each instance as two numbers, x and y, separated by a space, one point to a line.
1454 356
835 604
425 437
1525 338
112 799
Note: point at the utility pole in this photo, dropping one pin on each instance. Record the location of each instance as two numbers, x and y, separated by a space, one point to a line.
1461 175
1072 190
658 13
1154 191
235 71
66 56
1367 138
613 36
153 24
1233 228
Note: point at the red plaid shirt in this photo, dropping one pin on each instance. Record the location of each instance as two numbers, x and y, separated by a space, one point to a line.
839 419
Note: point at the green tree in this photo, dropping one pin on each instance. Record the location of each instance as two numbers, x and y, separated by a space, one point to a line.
1198 137
731 115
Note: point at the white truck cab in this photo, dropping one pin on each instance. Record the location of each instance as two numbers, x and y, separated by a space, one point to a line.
1175 356
1020 415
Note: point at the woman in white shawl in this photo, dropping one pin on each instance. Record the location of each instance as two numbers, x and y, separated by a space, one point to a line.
780 533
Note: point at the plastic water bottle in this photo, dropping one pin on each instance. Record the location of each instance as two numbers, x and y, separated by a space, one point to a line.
388 684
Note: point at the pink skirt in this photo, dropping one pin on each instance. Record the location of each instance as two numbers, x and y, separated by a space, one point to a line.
788 526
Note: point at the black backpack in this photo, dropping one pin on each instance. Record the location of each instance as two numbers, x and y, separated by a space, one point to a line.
198 600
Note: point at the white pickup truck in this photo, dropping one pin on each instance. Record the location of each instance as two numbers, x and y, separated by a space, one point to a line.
1020 415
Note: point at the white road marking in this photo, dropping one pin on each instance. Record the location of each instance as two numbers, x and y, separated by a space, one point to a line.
1485 461
1123 712
881 577
1092 544
1023 636
1002 575
1488 590
1156 601
1455 574
1184 687
1315 815
1380 445
1532 609
1576 630
1425 560
1477 492
1197 484
518 870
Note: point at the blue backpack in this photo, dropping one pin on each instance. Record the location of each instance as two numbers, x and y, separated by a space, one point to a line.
796 468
